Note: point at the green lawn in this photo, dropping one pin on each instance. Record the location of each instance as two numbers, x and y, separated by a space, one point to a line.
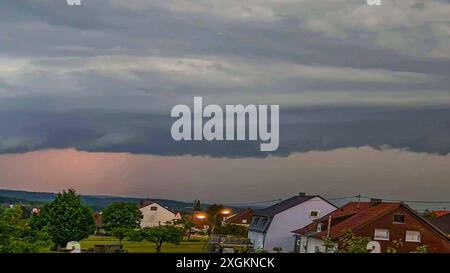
196 245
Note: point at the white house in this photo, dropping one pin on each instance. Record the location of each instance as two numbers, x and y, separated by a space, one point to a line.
155 214
272 227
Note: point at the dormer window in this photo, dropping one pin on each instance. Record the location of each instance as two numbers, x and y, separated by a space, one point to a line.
255 221
264 222
314 214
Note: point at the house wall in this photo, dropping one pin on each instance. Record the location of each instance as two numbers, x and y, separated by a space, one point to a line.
306 244
257 239
279 233
155 218
432 240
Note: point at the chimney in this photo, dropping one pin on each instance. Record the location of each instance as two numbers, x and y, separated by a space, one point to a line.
301 194
375 201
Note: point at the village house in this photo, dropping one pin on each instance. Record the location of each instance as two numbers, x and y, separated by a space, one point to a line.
243 218
271 227
439 213
443 223
383 222
155 214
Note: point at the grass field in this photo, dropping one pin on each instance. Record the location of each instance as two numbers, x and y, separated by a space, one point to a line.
196 245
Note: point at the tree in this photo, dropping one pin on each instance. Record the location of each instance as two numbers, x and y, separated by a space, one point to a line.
214 218
121 215
158 235
65 219
230 229
197 206
329 244
16 235
429 215
120 233
186 223
350 243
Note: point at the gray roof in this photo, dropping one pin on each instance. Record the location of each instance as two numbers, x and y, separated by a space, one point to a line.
283 205
267 214
442 223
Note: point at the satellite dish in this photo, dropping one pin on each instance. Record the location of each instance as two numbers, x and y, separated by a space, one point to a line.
374 247
73 245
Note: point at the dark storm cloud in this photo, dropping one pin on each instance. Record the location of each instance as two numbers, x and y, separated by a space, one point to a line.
383 70
419 130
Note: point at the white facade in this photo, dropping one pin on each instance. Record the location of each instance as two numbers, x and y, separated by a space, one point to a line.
311 245
154 215
279 233
257 239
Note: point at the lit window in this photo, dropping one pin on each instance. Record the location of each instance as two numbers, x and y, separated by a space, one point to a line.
314 214
381 234
399 218
412 236
153 208
244 221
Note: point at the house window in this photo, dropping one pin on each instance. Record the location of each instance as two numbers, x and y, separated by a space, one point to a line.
319 227
399 218
244 221
412 236
381 234
314 214
153 208
255 222
264 222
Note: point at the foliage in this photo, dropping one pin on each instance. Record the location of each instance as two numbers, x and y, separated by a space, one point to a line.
121 215
230 229
422 249
214 218
186 223
16 236
429 215
396 244
120 233
260 250
278 249
65 219
350 243
329 244
158 235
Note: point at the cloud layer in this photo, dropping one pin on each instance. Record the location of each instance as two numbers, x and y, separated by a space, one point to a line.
104 76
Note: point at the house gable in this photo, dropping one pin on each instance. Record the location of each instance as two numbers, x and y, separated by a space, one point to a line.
155 214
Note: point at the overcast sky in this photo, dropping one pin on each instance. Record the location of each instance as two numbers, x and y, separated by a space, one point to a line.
103 77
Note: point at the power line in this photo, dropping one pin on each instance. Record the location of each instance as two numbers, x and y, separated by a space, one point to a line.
409 201
347 197
256 202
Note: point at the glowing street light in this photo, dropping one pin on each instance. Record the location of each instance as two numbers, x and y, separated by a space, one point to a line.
225 211
200 216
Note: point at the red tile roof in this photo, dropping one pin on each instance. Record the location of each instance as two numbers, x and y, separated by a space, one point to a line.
439 213
354 215
243 215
